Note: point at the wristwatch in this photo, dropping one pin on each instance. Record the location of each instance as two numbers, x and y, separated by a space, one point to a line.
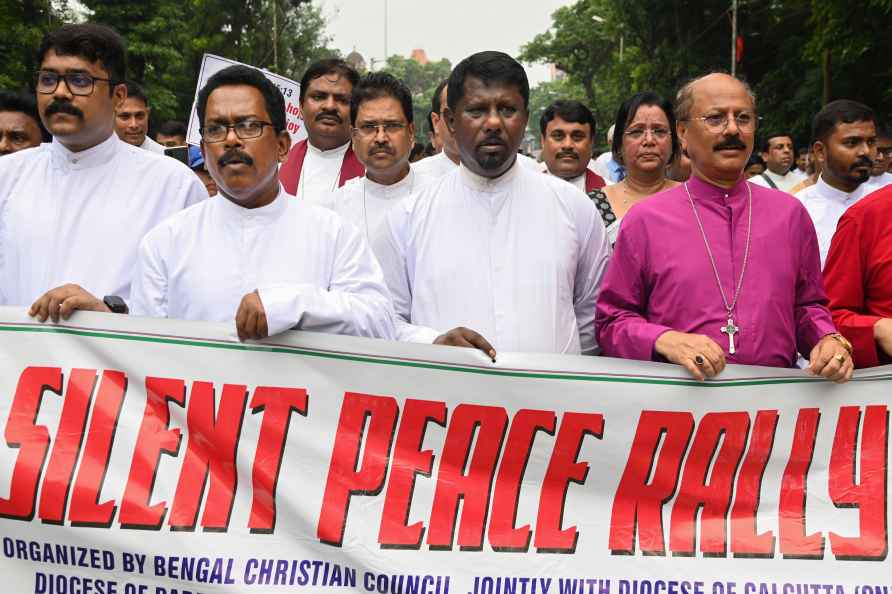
116 304
843 341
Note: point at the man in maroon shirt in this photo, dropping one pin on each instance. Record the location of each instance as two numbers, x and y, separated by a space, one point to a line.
858 278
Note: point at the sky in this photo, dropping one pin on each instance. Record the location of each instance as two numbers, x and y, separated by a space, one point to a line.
453 29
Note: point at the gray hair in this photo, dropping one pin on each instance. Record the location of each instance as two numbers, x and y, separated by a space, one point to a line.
684 100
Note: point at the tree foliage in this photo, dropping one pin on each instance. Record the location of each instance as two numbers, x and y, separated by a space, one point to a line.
422 81
797 53
166 40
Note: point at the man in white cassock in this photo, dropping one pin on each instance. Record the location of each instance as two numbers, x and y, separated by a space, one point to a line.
844 134
383 132
73 211
255 254
494 255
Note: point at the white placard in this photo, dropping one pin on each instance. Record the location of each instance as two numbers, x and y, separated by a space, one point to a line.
212 64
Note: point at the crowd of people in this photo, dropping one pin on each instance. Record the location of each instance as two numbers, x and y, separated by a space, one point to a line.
674 246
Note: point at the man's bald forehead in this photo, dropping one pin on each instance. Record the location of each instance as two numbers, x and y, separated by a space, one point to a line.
714 81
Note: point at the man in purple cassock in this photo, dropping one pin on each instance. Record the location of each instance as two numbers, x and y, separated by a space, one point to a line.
719 270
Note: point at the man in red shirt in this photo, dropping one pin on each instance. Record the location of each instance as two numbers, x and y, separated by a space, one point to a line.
858 278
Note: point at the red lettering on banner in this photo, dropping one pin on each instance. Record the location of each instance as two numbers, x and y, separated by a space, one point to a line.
277 404
66 446
745 542
210 452
503 536
869 497
638 503
33 440
562 469
794 543
714 495
346 476
475 486
154 439
85 509
408 462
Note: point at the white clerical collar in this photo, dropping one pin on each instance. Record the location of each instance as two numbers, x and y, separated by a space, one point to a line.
263 214
94 156
776 177
404 186
827 191
578 181
336 152
488 184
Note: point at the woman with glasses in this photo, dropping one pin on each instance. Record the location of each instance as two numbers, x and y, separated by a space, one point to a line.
644 143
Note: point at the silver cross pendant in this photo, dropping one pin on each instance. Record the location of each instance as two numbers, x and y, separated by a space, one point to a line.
730 330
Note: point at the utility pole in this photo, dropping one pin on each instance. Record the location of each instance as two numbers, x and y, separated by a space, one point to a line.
386 54
276 35
733 37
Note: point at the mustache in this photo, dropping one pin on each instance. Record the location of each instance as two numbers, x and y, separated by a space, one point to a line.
492 139
861 162
731 143
381 148
329 114
569 153
234 156
63 107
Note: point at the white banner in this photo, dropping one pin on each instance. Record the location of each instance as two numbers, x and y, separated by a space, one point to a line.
211 64
153 456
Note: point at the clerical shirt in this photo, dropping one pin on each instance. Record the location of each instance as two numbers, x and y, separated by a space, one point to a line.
785 182
878 182
858 275
320 173
70 217
439 164
660 277
518 258
435 166
153 147
825 205
365 203
312 270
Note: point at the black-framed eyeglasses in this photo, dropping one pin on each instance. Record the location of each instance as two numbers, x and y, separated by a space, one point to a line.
78 83
244 130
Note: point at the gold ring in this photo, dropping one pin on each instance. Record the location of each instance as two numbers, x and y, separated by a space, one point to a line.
840 357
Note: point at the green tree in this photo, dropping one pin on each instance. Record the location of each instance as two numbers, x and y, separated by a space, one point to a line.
422 81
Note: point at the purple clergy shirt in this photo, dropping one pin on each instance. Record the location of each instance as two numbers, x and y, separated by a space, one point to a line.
660 277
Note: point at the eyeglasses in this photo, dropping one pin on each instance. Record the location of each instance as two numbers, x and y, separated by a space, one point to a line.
639 133
371 129
244 130
78 83
719 122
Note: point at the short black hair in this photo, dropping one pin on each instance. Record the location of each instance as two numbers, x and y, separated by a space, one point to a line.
626 113
490 67
245 75
96 43
569 111
436 102
134 91
172 128
327 66
430 122
380 84
755 160
26 104
766 139
837 112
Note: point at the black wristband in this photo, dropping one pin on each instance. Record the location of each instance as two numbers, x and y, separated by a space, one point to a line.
116 304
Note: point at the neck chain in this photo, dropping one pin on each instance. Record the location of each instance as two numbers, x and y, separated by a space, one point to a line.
730 329
365 212
627 187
